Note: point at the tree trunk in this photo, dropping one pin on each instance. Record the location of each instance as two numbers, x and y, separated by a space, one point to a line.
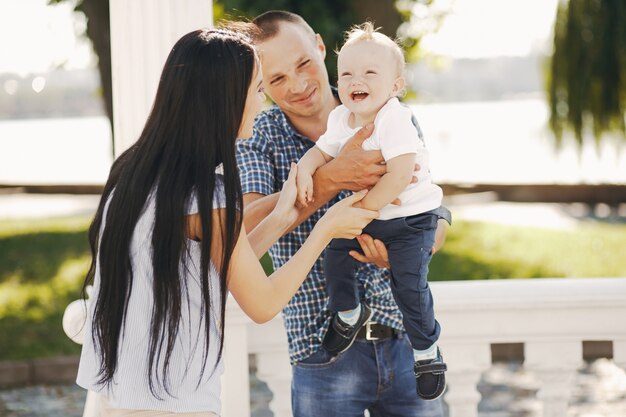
99 31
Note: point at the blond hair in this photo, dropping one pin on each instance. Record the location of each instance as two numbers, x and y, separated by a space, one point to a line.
367 33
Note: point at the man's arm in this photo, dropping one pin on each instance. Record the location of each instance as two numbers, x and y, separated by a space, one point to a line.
353 169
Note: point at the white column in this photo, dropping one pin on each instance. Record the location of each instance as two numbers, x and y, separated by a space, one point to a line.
555 364
142 34
466 362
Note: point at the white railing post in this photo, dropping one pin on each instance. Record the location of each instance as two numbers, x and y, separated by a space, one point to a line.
555 364
466 362
273 368
236 378
619 352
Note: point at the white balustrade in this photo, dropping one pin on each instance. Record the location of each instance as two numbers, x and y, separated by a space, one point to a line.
552 317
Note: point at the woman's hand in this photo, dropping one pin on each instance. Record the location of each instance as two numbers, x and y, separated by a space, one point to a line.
345 221
285 209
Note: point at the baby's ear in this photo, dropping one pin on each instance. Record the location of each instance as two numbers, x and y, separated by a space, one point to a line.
398 86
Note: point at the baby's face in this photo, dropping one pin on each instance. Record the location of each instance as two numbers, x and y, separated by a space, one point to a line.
368 76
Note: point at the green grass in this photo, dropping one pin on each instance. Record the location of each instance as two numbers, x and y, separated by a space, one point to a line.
42 266
43 263
491 251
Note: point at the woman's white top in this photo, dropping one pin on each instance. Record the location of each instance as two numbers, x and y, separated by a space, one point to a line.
394 135
130 389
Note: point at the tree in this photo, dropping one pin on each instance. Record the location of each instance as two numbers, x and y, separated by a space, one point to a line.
329 17
99 32
587 78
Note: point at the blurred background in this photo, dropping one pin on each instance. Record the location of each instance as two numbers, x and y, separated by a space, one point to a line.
522 105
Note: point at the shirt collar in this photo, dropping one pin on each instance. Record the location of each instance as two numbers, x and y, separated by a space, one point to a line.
282 119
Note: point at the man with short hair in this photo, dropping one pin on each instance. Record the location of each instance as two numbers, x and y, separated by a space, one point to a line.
376 372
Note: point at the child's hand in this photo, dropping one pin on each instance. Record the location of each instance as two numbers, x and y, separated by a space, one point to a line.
304 182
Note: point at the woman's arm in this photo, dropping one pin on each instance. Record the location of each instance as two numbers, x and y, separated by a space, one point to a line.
262 297
279 220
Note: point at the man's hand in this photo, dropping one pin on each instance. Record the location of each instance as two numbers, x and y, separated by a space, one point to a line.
440 235
374 251
355 169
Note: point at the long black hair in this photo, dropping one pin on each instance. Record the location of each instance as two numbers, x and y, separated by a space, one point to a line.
190 131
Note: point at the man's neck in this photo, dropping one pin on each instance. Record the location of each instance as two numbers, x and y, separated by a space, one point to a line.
314 126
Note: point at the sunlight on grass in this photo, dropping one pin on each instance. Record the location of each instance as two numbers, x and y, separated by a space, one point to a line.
42 267
43 264
486 251
36 300
15 227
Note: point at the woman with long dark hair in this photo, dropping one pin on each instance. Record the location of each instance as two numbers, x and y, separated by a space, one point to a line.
168 242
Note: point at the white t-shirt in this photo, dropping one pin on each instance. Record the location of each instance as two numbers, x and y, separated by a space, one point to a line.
394 135
130 388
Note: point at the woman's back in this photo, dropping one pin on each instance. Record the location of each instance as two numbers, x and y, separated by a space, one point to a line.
190 388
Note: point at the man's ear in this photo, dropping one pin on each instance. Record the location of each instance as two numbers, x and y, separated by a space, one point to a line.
320 45
398 86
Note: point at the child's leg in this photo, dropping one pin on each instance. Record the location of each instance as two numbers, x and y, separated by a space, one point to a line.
340 272
409 256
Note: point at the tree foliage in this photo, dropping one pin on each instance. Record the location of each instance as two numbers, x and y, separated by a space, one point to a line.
587 78
329 18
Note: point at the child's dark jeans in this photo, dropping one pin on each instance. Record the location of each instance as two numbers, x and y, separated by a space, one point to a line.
409 242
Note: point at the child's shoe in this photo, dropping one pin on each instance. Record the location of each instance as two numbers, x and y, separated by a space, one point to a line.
341 335
430 377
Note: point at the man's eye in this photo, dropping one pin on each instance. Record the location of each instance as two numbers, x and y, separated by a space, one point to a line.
305 63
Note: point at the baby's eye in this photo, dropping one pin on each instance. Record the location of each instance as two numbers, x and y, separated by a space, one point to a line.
370 72
345 74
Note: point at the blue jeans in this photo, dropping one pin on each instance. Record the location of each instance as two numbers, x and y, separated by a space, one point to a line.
375 376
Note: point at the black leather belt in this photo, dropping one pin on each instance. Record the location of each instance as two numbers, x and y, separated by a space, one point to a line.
376 331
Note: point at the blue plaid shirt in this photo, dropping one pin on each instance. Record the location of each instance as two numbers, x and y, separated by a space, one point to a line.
264 162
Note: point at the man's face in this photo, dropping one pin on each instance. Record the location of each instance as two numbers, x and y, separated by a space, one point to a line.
294 74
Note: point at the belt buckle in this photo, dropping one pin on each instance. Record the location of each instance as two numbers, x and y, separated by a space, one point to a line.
368 332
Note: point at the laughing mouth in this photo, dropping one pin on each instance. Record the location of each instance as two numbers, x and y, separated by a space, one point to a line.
358 95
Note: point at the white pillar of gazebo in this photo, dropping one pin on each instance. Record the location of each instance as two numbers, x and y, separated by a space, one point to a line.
142 34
